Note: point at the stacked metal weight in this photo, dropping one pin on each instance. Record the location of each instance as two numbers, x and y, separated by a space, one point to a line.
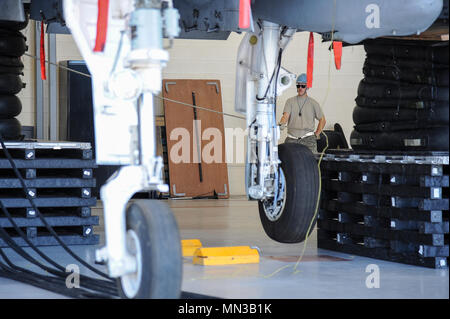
388 197
12 47
59 179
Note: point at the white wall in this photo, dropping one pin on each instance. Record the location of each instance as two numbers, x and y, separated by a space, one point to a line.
206 59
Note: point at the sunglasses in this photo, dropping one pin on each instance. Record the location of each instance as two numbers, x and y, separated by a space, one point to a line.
303 86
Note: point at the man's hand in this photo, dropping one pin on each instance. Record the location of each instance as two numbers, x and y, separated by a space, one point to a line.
320 127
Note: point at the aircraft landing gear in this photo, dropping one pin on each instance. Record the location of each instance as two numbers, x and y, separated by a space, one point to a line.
143 249
286 190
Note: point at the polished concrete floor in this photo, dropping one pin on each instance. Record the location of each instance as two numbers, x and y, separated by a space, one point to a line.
280 274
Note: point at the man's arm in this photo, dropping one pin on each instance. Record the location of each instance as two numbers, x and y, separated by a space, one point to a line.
284 119
320 126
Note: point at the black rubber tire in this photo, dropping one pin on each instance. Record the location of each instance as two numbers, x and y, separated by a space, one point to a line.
302 190
380 60
398 103
378 88
438 77
157 230
414 52
362 115
10 84
12 46
10 129
10 106
432 139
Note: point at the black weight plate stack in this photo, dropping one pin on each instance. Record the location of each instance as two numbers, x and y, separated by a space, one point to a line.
12 47
390 207
60 180
403 100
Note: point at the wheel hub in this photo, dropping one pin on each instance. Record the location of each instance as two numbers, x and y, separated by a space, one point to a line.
273 209
131 282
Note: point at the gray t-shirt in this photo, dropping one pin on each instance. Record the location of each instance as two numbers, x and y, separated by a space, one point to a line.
298 126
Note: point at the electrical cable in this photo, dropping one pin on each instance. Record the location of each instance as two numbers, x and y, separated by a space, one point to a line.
97 283
55 284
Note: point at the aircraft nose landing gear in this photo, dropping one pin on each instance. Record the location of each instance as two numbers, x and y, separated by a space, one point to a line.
284 179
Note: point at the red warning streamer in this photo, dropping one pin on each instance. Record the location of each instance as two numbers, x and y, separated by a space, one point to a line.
42 53
102 25
310 67
244 14
337 48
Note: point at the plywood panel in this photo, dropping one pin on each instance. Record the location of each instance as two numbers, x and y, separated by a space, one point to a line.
195 175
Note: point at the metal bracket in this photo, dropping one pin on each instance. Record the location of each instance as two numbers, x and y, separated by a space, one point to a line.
175 192
215 84
226 191
167 85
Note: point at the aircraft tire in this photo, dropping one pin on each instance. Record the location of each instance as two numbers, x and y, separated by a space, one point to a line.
302 192
153 238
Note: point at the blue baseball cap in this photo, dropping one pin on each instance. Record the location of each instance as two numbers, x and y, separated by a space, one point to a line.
302 78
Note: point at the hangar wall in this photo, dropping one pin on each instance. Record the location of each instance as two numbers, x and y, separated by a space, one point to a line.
206 59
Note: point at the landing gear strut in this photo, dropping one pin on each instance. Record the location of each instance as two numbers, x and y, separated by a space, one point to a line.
283 179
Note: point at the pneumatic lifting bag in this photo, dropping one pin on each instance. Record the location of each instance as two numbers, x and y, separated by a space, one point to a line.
438 54
11 61
437 115
432 139
10 106
398 103
393 126
10 84
373 88
10 129
438 77
13 46
402 63
13 25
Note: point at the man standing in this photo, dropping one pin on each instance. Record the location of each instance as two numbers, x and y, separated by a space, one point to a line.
299 116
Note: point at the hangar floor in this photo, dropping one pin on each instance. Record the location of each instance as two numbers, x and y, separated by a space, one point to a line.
235 222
